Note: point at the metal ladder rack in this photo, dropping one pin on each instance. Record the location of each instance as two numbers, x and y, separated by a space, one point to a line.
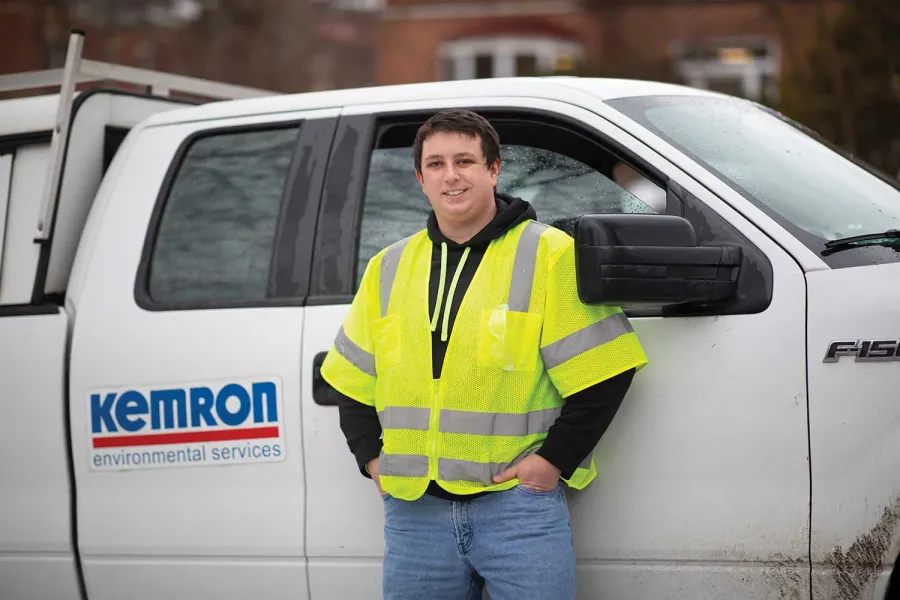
79 70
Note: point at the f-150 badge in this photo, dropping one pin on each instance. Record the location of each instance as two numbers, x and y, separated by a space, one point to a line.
863 350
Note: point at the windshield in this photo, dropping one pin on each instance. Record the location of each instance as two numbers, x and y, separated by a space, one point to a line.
808 187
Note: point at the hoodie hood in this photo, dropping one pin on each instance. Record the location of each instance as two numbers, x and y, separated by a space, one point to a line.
510 212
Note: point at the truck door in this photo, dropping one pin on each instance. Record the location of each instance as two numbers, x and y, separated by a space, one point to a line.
38 558
703 486
185 383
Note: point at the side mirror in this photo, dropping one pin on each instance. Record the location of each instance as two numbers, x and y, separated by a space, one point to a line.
650 260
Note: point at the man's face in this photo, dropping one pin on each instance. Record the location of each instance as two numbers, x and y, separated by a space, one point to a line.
455 178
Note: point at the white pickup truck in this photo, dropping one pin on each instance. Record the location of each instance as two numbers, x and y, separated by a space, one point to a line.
171 275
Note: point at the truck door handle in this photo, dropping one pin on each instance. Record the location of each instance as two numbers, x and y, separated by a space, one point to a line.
323 394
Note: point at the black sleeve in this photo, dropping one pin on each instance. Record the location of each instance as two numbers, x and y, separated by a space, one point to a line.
583 421
362 429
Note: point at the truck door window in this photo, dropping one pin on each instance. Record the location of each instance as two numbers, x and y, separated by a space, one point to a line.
6 162
562 174
218 225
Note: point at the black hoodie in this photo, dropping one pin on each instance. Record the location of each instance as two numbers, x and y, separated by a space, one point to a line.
585 415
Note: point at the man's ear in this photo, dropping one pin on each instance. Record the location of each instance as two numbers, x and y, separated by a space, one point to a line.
495 170
419 178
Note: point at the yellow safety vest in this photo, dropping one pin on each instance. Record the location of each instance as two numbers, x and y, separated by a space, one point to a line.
521 342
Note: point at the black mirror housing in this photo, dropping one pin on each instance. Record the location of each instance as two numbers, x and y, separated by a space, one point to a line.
641 259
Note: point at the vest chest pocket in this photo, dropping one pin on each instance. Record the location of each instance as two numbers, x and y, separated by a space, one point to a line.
509 340
387 341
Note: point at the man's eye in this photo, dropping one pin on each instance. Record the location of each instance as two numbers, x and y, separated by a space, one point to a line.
434 164
466 161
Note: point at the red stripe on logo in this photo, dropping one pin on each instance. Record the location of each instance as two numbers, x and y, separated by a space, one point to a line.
187 437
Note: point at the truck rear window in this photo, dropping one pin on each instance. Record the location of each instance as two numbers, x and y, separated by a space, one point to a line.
218 224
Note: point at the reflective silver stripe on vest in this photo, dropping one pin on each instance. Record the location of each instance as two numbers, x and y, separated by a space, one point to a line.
523 267
403 465
451 469
595 334
358 357
405 417
586 463
389 263
480 423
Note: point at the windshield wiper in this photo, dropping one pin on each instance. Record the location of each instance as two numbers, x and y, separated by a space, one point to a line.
848 242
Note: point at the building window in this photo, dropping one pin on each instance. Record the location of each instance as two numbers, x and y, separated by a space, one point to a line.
526 65
355 5
746 68
484 66
507 56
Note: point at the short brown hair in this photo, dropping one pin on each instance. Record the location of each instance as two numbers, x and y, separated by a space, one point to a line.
461 121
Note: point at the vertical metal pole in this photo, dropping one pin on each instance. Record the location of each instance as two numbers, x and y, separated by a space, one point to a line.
60 135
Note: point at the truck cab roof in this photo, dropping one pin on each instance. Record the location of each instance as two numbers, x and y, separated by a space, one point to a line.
599 88
26 115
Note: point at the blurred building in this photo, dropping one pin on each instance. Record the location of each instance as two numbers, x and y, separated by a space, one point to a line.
740 47
736 46
281 45
345 37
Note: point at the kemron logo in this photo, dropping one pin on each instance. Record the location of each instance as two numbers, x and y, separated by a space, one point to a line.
207 423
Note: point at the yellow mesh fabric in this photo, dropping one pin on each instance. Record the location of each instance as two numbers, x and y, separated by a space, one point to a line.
493 362
494 371
340 373
598 364
565 314
405 441
487 448
582 477
407 381
404 488
492 387
507 339
347 379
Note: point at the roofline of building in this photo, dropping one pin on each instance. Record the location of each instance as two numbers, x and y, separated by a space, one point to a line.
479 10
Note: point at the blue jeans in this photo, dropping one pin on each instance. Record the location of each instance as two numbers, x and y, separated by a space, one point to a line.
517 542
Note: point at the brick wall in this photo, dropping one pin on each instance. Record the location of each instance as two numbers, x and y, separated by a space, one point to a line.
287 46
632 38
407 50
22 32
645 30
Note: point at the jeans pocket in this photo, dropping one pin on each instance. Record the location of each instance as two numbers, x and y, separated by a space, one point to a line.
539 493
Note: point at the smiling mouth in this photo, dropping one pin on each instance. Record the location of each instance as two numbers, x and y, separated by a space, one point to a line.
455 193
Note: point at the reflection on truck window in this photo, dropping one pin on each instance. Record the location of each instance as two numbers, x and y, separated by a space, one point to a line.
216 235
810 188
560 188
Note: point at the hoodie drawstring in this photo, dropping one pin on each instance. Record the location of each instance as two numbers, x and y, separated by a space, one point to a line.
456 274
453 291
440 294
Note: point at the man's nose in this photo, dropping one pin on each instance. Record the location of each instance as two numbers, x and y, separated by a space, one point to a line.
450 173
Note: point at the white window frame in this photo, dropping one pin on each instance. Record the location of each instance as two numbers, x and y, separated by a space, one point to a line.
357 5
700 73
503 50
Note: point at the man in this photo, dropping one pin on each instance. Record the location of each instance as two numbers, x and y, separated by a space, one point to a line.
474 381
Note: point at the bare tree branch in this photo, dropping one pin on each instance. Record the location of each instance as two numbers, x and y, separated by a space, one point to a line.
836 72
785 29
